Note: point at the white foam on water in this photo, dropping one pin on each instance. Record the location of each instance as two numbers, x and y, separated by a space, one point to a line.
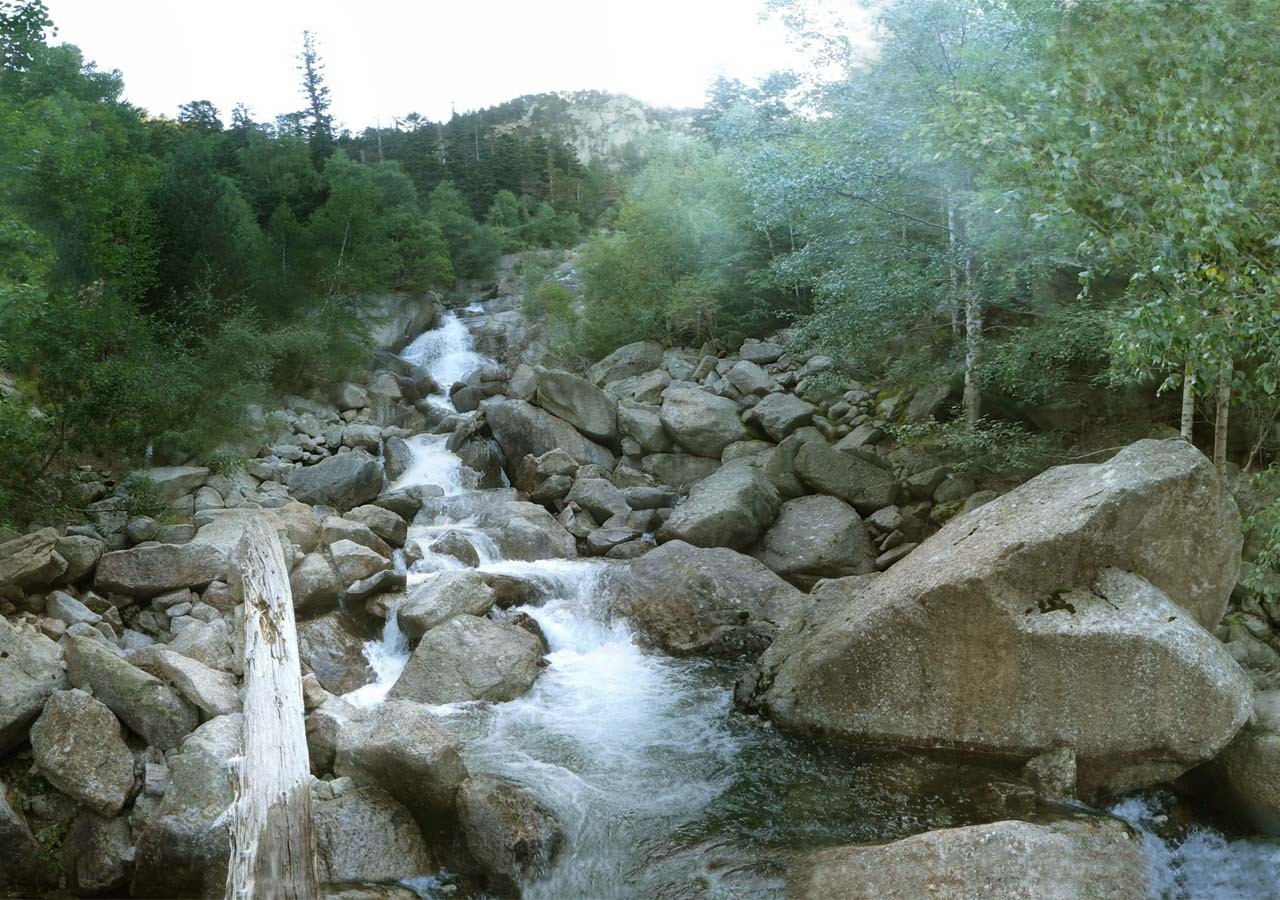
431 463
448 353
387 658
1202 864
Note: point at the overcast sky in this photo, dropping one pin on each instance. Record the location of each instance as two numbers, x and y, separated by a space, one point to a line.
387 58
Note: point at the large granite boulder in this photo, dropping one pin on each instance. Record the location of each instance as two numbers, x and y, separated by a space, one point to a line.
332 648
522 429
863 485
32 560
150 569
439 599
398 746
731 508
578 402
627 361
1066 613
780 414
143 702
343 481
363 834
1070 859
184 847
691 601
700 422
641 423
78 747
511 834
172 482
526 531
817 537
469 658
30 670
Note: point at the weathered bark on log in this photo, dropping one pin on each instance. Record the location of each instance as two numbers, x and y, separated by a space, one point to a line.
273 847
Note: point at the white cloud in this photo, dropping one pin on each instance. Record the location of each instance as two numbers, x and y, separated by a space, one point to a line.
389 57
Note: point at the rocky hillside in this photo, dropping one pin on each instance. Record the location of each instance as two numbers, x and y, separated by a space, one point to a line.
751 509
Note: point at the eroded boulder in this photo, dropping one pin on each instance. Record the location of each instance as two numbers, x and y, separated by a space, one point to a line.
817 537
30 670
469 658
1062 614
78 747
343 481
692 601
522 429
510 833
1095 858
731 508
700 422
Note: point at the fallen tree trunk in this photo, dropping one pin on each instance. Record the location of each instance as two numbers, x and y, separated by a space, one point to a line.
273 846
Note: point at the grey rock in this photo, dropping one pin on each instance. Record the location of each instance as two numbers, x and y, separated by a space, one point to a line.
749 378
627 361
81 552
691 601
817 537
332 648
343 481
172 482
510 833
314 584
781 414
143 702
32 560
383 522
1106 571
731 508
641 422
210 690
680 470
580 403
150 569
439 599
355 561
522 430
700 422
1095 858
469 658
598 497
184 848
400 747
863 486
78 747
364 835
96 855
68 610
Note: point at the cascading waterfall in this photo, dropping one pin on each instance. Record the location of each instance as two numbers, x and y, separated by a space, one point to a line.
661 789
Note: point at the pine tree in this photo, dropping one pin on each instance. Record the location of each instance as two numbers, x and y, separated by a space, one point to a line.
317 121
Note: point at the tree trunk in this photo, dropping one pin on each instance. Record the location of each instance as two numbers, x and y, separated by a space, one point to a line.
273 847
952 274
1188 403
1222 418
972 343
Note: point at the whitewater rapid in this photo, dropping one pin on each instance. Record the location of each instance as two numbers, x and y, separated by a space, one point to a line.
661 788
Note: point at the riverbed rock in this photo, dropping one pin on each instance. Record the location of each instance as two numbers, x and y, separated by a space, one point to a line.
510 833
692 601
1062 614
78 748
382 522
578 402
172 482
439 599
210 690
146 704
680 470
700 422
184 847
82 552
1247 773
863 485
469 658
32 560
526 531
314 584
332 648
364 834
522 429
780 414
641 423
1072 859
22 868
817 537
355 562
30 670
731 508
598 497
151 569
96 855
343 481
626 361
398 746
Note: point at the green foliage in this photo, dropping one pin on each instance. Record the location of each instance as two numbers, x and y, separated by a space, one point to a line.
677 266
986 448
1037 361
139 497
224 462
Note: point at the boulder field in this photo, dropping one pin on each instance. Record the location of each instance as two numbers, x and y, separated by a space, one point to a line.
752 507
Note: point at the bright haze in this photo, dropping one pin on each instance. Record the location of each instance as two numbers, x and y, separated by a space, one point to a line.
385 59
